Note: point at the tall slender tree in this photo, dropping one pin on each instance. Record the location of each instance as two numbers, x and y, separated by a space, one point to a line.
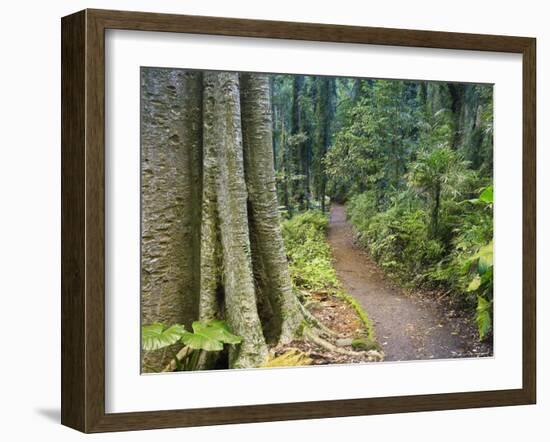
298 142
325 113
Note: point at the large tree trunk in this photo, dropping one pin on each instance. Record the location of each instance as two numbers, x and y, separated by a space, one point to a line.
223 140
268 254
170 185
212 245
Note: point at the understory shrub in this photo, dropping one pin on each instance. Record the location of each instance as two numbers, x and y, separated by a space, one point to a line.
397 238
458 259
308 252
310 260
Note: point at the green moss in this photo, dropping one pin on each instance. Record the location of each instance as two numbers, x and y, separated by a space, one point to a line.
310 260
365 344
360 312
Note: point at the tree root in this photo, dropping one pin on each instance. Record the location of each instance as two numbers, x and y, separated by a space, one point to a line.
321 335
314 322
313 330
310 335
318 340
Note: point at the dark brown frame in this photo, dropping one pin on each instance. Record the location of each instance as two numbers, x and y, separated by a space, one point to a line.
83 215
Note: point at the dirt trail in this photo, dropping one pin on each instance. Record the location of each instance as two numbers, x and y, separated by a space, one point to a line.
407 326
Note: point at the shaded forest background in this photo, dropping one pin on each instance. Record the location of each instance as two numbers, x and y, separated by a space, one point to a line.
412 161
375 129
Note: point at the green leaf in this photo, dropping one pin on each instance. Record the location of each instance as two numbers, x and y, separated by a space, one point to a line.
156 336
218 330
487 277
485 256
474 284
209 336
487 195
198 341
483 316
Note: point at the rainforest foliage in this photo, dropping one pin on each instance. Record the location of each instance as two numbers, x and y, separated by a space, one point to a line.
309 255
311 263
414 163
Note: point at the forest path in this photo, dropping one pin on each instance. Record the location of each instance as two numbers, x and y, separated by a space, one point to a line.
408 326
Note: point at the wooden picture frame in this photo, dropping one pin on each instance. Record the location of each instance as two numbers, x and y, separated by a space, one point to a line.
83 220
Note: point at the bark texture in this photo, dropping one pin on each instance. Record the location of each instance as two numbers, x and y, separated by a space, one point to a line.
211 241
170 184
223 139
270 264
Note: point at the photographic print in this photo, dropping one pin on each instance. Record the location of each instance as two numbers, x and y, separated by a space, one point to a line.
299 220
250 204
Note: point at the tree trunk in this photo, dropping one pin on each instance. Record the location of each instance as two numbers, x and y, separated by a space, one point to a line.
456 92
356 91
286 171
223 140
170 175
268 254
298 149
435 210
325 112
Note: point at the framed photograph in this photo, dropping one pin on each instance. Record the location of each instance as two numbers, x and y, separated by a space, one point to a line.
267 220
